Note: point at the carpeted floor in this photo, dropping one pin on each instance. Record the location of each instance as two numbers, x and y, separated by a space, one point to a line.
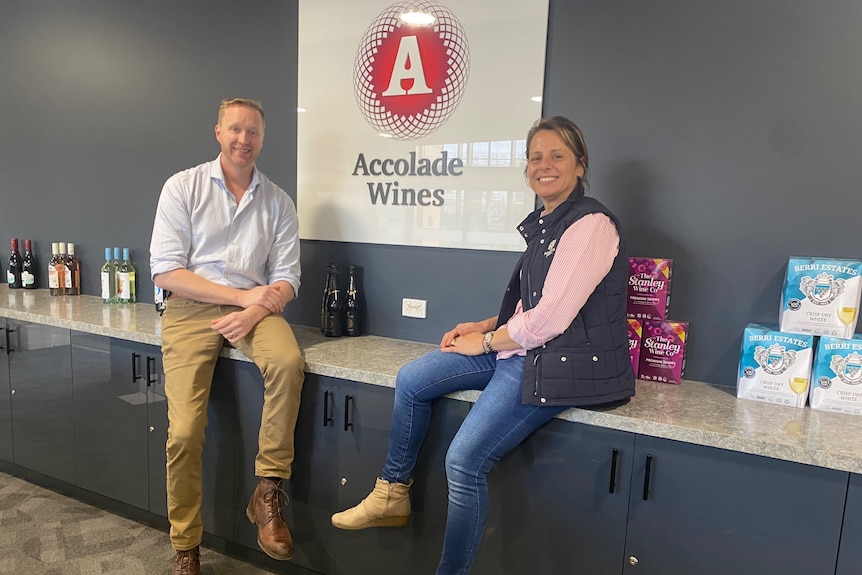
44 533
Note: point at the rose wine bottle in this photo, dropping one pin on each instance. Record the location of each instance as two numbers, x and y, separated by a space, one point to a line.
56 283
72 272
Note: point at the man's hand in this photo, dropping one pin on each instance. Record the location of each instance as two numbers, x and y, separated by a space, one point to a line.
238 324
269 297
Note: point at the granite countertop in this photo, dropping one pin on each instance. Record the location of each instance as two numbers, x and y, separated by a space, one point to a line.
693 412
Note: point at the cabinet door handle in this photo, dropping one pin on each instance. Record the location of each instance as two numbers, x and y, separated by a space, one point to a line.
612 486
135 358
347 422
9 340
151 361
647 474
328 396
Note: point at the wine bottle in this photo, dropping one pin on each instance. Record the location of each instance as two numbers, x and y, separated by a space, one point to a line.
115 263
109 279
351 305
126 279
334 305
55 265
28 267
72 271
13 272
324 298
61 270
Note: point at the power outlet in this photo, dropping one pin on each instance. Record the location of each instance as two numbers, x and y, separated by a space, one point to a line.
414 307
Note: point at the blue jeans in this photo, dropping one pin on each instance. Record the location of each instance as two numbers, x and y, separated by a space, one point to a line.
495 425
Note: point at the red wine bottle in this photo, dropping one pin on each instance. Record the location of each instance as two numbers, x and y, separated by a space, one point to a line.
13 272
28 267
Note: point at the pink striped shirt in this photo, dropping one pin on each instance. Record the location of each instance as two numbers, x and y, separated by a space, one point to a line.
583 258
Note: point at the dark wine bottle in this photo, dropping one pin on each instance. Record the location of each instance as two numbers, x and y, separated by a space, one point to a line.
323 300
333 305
13 272
351 305
28 267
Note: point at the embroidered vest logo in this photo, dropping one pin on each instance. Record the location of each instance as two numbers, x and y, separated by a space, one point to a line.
552 247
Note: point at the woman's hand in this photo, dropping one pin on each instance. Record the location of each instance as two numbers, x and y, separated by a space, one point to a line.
468 344
461 330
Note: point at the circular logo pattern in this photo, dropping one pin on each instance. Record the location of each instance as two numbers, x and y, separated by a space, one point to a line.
411 69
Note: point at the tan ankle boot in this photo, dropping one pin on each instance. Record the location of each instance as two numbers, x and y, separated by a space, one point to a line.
387 506
264 510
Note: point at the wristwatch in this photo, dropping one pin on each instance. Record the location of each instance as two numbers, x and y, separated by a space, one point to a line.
487 342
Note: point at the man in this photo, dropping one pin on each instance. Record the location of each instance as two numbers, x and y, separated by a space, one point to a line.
225 245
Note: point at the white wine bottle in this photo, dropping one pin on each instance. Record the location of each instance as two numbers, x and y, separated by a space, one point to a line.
109 279
126 279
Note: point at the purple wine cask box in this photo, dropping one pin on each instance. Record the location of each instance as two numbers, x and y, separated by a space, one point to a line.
821 296
635 333
649 288
662 356
836 380
775 366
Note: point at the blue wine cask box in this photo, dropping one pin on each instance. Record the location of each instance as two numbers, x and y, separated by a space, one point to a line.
774 366
837 375
821 296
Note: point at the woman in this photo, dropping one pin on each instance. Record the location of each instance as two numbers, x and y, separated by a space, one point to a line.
559 340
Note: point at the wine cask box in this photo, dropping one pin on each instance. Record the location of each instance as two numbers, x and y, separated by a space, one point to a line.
775 366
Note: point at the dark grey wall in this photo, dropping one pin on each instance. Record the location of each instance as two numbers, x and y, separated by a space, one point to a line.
723 135
102 100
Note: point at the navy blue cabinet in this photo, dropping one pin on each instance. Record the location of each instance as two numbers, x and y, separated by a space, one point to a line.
341 440
217 502
559 503
850 552
110 408
363 415
709 511
40 371
157 431
6 451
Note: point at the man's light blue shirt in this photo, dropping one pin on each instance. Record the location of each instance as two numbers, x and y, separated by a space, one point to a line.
200 227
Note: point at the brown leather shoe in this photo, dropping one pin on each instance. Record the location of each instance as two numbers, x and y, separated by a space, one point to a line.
187 562
264 510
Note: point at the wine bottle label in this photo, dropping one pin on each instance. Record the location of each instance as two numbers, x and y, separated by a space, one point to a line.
28 279
53 277
122 285
106 286
68 277
10 278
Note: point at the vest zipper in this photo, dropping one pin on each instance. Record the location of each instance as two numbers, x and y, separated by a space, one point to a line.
536 371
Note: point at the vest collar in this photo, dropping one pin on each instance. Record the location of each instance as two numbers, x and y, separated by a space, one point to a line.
535 222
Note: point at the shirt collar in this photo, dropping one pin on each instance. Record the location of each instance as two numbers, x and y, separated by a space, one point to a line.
218 174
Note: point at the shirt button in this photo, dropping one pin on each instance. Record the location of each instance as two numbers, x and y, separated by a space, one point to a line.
541 221
543 231
595 358
534 293
520 227
543 400
563 358
541 241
